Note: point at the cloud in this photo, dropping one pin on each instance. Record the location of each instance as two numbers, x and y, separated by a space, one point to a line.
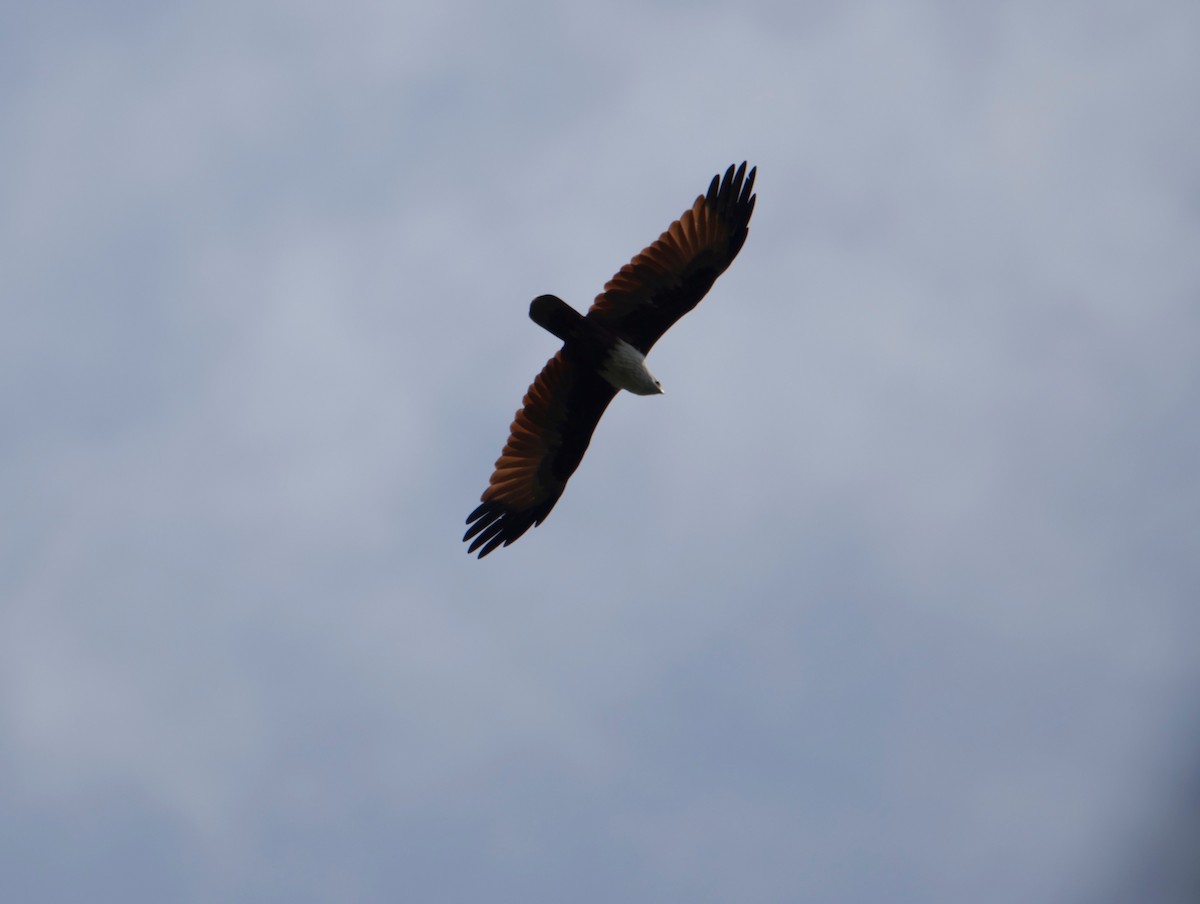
893 586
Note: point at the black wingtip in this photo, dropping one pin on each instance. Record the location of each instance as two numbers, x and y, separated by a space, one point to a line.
494 524
733 191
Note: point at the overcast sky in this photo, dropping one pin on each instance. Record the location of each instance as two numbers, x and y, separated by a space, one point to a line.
891 597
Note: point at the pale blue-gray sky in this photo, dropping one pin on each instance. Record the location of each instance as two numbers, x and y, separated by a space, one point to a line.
891 597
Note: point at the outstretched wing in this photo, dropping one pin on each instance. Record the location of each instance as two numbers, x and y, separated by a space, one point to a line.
670 277
545 445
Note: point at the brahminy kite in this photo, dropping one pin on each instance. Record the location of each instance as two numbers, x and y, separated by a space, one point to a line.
604 351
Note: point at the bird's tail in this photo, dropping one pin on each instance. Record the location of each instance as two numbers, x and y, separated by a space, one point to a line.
555 315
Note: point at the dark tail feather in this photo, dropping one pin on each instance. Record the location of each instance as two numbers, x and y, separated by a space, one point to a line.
553 314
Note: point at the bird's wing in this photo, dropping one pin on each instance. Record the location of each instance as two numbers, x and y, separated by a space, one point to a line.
670 277
545 445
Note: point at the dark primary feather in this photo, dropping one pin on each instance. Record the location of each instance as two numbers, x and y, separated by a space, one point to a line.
560 411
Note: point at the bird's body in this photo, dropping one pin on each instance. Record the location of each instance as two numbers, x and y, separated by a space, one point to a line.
604 351
595 345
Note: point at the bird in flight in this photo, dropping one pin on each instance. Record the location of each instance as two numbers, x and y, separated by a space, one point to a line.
604 351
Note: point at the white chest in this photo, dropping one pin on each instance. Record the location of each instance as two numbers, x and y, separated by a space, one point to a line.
625 368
